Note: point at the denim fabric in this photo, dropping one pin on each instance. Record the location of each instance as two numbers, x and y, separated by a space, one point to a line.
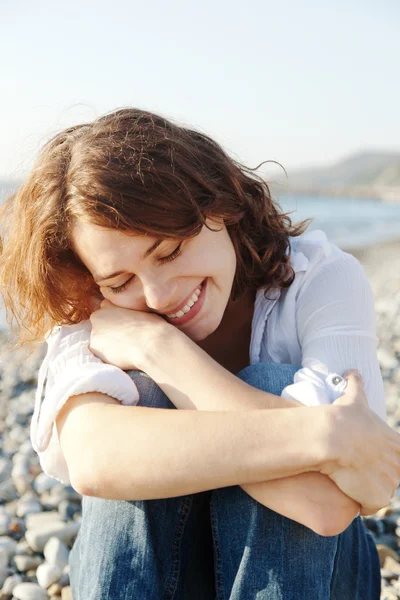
219 544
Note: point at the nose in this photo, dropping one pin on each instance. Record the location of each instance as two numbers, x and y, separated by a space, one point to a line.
159 295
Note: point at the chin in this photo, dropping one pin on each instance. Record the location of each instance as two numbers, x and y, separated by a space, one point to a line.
203 331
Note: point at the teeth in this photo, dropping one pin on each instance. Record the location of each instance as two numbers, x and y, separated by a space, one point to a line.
191 302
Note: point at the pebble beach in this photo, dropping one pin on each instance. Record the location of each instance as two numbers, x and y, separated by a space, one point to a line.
40 518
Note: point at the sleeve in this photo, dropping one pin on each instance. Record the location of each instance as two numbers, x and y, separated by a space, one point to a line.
336 330
70 368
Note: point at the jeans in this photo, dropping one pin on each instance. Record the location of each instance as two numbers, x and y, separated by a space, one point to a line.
219 544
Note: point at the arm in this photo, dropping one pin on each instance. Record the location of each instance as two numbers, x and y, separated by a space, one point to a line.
162 453
309 498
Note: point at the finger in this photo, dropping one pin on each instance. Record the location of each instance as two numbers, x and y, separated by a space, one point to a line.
355 387
355 373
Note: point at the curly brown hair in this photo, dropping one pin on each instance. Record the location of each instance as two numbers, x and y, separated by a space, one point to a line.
137 172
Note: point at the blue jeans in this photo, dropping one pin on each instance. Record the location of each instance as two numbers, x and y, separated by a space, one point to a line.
219 544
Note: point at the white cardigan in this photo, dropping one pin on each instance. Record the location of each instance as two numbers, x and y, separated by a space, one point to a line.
324 322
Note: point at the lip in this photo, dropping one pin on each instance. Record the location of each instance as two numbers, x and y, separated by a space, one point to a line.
194 310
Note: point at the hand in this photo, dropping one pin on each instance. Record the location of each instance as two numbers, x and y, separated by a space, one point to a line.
368 467
124 337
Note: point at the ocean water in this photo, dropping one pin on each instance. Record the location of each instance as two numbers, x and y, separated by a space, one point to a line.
349 223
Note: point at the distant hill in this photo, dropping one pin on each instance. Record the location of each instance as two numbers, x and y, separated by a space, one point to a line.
363 175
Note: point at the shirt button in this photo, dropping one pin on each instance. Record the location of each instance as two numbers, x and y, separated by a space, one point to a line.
336 380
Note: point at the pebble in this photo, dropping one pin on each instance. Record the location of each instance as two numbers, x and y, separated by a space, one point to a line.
38 538
10 583
56 553
29 591
47 574
26 563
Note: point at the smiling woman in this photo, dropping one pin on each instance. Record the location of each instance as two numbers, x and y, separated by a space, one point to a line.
164 276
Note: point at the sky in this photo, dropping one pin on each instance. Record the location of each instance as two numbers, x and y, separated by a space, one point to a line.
301 82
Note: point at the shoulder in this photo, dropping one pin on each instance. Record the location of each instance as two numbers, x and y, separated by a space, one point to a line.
315 258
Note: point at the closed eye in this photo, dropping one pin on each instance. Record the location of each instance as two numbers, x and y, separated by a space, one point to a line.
161 260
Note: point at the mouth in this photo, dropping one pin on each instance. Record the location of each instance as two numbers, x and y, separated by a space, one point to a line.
191 308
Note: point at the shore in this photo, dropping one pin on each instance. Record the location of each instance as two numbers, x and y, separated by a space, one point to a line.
40 518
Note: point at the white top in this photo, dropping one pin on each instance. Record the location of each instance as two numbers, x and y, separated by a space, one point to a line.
324 321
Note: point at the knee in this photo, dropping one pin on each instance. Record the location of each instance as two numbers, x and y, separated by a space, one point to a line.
269 377
150 394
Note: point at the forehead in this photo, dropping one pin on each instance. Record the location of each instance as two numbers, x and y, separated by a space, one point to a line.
103 250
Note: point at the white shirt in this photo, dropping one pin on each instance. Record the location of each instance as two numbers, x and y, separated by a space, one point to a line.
324 322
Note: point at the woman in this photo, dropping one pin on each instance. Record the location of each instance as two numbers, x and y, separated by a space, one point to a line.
146 242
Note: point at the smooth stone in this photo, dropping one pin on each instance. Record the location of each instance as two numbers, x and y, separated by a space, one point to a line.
47 574
23 548
25 562
54 590
27 506
389 593
23 483
386 574
36 521
8 545
26 448
37 539
44 483
4 558
29 591
388 540
68 509
5 469
10 584
8 490
392 565
5 520
3 575
66 593
56 552
387 359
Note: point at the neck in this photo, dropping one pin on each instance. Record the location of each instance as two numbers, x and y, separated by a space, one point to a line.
235 325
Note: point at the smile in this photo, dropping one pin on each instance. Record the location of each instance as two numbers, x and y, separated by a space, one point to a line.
191 308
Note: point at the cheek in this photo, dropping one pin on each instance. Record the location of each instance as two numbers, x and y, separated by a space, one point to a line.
123 300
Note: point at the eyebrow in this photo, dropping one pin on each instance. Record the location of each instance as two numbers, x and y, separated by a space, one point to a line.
99 277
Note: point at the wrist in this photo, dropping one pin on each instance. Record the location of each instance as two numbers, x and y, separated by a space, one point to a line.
325 437
156 346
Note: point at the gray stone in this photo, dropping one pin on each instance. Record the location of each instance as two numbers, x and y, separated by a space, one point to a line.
56 552
4 558
10 584
37 539
8 545
44 483
68 509
23 548
25 562
47 574
35 521
29 505
7 490
29 591
5 520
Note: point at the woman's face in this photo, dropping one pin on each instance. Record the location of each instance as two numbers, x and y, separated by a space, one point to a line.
189 283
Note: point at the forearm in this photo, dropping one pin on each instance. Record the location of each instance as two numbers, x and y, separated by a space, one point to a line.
165 453
309 498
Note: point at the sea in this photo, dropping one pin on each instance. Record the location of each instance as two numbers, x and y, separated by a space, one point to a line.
350 223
